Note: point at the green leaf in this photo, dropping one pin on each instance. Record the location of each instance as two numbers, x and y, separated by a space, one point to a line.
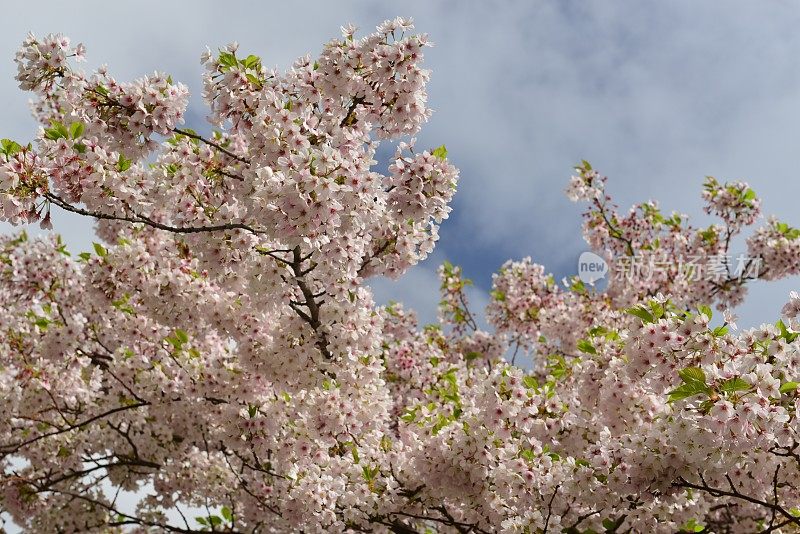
178 339
527 454
584 345
227 60
694 383
498 295
642 314
657 308
61 129
56 131
252 78
578 286
251 61
52 134
100 250
692 526
440 152
76 130
785 334
123 305
687 390
720 331
410 416
473 355
227 513
9 147
181 335
441 422
557 365
611 525
369 473
735 384
709 235
692 374
530 382
789 387
705 310
123 163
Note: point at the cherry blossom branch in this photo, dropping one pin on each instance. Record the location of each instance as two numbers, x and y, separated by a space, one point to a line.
210 143
149 222
549 511
376 253
613 231
349 116
776 526
121 462
787 452
126 519
13 447
734 493
444 521
310 302
115 103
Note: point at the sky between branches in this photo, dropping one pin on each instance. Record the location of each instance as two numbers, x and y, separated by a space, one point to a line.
656 95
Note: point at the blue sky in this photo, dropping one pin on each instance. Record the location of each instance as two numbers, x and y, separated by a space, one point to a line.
655 94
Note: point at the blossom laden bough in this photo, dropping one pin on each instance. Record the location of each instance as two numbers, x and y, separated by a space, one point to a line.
220 353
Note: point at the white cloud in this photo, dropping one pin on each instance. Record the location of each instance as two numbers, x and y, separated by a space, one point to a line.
656 95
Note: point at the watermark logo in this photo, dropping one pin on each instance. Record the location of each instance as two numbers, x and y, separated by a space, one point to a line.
591 267
717 268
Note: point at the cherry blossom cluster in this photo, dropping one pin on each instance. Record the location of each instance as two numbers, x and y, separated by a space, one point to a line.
219 353
646 235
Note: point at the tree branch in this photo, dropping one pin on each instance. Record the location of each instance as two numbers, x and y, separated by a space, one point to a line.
148 221
734 493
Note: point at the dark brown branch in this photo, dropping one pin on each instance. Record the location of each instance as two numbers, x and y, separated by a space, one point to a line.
549 511
12 447
127 519
211 143
470 527
613 231
377 252
734 493
310 302
47 483
148 221
350 116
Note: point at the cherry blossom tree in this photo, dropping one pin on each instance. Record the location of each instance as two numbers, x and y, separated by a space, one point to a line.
220 354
